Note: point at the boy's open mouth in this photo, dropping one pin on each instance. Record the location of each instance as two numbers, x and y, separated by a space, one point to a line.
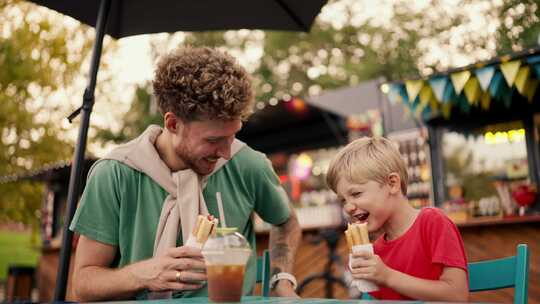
360 217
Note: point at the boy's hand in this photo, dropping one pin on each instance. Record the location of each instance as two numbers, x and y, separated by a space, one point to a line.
369 266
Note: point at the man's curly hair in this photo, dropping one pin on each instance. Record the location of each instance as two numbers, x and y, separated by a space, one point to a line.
201 84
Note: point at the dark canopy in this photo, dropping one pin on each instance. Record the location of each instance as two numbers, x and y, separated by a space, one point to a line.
127 18
289 128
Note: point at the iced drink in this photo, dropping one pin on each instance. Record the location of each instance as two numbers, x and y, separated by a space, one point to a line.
225 255
225 282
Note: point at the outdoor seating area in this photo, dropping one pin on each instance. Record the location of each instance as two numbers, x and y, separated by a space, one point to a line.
279 151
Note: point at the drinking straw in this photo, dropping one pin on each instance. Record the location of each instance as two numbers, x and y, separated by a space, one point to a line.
221 212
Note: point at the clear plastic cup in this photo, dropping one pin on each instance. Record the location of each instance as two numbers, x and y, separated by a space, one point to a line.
226 254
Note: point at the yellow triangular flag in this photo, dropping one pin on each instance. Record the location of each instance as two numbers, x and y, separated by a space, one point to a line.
485 101
446 110
434 104
413 87
510 70
459 80
425 95
531 89
522 79
472 90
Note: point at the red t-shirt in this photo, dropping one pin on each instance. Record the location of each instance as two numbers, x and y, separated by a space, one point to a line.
432 243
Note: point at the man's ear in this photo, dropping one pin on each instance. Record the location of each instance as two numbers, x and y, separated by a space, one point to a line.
394 182
171 122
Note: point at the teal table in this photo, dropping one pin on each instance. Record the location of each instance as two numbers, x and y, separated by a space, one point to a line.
262 300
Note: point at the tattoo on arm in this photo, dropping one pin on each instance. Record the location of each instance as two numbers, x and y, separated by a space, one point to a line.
284 240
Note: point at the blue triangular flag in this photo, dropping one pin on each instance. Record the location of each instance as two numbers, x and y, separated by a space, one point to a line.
426 113
464 105
438 84
484 76
393 94
536 69
496 84
449 95
507 97
403 93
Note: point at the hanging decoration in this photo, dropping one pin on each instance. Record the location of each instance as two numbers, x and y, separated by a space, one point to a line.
472 90
394 94
480 86
484 76
531 89
510 70
438 85
485 101
413 88
459 79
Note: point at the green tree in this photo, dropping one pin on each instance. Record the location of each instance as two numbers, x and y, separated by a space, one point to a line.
519 25
39 56
143 112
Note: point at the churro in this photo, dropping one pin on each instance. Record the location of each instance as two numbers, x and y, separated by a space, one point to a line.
356 234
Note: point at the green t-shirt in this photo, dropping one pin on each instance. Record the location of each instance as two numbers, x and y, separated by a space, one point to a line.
121 206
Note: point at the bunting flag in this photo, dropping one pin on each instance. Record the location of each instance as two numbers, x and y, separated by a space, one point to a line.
484 76
403 94
428 113
522 79
534 62
472 90
510 70
480 86
449 93
485 101
425 95
413 88
506 95
531 89
459 80
446 110
438 85
434 104
496 84
393 94
464 105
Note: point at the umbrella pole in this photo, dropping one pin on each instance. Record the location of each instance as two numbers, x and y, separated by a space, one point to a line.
78 158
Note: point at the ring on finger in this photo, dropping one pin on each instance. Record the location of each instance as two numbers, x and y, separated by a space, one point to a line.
177 276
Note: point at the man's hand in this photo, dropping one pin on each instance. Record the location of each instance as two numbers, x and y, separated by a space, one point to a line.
283 288
181 268
365 265
95 280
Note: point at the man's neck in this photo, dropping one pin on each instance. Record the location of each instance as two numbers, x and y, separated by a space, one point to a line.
166 152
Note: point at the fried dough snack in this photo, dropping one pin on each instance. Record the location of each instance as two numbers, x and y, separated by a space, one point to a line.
356 234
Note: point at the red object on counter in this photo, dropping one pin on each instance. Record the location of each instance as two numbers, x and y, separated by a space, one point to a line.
524 195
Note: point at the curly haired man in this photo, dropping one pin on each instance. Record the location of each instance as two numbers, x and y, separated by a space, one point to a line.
141 200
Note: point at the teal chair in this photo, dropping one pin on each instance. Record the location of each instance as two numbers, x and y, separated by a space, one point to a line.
263 273
503 273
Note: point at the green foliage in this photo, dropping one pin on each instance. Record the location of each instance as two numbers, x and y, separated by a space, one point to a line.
520 25
16 248
36 60
143 112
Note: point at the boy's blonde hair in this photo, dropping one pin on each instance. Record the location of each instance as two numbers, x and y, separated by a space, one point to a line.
367 159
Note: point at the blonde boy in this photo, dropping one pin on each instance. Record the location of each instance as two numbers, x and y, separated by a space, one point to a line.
419 254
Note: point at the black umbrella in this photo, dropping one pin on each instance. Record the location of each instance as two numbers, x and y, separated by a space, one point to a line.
126 18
